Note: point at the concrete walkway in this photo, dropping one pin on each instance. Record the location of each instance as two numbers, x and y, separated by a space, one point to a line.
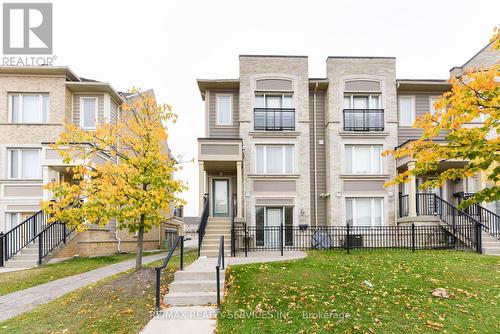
202 319
25 300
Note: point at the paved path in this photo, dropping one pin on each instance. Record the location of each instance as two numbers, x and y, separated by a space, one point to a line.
25 300
203 319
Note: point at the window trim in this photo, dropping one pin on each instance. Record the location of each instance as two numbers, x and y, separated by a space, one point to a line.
370 158
369 95
217 96
283 159
82 113
372 206
20 167
20 95
412 97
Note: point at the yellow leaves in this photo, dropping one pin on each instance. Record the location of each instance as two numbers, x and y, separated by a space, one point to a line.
434 325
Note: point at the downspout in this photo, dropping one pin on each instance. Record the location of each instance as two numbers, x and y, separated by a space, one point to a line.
315 159
117 237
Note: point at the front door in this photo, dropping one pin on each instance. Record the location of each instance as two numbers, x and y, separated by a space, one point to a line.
273 223
221 198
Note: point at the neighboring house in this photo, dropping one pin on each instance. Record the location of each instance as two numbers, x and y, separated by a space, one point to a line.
280 147
190 226
35 102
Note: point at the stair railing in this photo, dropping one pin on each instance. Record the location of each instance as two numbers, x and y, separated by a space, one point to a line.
488 218
203 222
50 237
220 264
233 226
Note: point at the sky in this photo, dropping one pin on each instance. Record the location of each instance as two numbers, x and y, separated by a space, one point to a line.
167 45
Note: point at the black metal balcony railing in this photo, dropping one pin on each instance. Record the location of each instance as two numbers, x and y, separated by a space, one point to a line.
274 119
363 119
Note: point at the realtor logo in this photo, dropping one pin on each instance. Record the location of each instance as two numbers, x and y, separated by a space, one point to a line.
27 28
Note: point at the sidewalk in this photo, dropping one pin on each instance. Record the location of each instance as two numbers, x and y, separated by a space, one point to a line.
202 319
25 300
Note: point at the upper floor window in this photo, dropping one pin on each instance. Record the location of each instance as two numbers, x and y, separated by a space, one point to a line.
274 112
24 163
363 159
29 108
274 159
224 109
406 110
88 112
361 101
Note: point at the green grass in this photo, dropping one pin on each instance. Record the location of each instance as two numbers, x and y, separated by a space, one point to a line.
23 279
119 304
315 294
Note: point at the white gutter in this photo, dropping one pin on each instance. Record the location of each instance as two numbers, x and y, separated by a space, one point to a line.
315 159
117 237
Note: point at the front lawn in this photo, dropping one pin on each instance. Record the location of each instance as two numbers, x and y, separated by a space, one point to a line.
119 304
365 292
23 279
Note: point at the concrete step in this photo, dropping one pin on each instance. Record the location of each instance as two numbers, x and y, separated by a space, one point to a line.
216 237
190 286
490 244
191 298
30 250
186 275
214 253
22 256
18 263
491 250
217 230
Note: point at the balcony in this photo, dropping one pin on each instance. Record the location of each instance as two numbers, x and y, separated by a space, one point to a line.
274 119
363 119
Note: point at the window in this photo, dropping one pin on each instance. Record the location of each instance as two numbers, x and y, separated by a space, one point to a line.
267 223
224 112
88 111
274 159
363 159
13 219
359 101
29 108
364 211
274 101
24 164
406 110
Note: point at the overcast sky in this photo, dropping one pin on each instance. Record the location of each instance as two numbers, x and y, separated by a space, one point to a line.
166 45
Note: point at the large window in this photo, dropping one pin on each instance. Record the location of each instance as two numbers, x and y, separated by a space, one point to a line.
268 222
274 159
24 164
88 110
273 101
364 211
29 108
224 112
363 159
360 101
406 110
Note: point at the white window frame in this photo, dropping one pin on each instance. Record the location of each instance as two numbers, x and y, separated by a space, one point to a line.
217 96
283 159
353 152
282 95
45 117
20 165
372 207
413 110
82 113
351 100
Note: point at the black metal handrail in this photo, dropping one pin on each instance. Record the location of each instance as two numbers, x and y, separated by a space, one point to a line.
233 225
363 119
23 234
50 237
179 240
203 222
490 219
403 206
274 119
220 264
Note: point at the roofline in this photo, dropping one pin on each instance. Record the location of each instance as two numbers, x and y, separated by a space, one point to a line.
33 69
474 56
273 56
435 81
359 57
113 92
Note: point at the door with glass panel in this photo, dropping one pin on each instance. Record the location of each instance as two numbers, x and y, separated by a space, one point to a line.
274 218
220 198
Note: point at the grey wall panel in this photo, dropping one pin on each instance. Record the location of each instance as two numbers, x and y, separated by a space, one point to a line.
23 190
274 84
219 149
274 201
363 185
275 185
362 86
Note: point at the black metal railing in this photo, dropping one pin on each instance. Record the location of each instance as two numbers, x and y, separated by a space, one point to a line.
403 206
363 119
301 238
233 224
462 226
178 242
22 235
203 222
50 237
488 218
220 264
274 119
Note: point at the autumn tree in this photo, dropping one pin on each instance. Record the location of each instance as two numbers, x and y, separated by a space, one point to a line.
122 171
473 95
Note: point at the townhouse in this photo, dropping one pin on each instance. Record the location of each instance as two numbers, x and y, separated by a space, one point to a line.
282 148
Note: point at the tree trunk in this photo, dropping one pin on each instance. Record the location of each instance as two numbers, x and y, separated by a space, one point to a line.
140 246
